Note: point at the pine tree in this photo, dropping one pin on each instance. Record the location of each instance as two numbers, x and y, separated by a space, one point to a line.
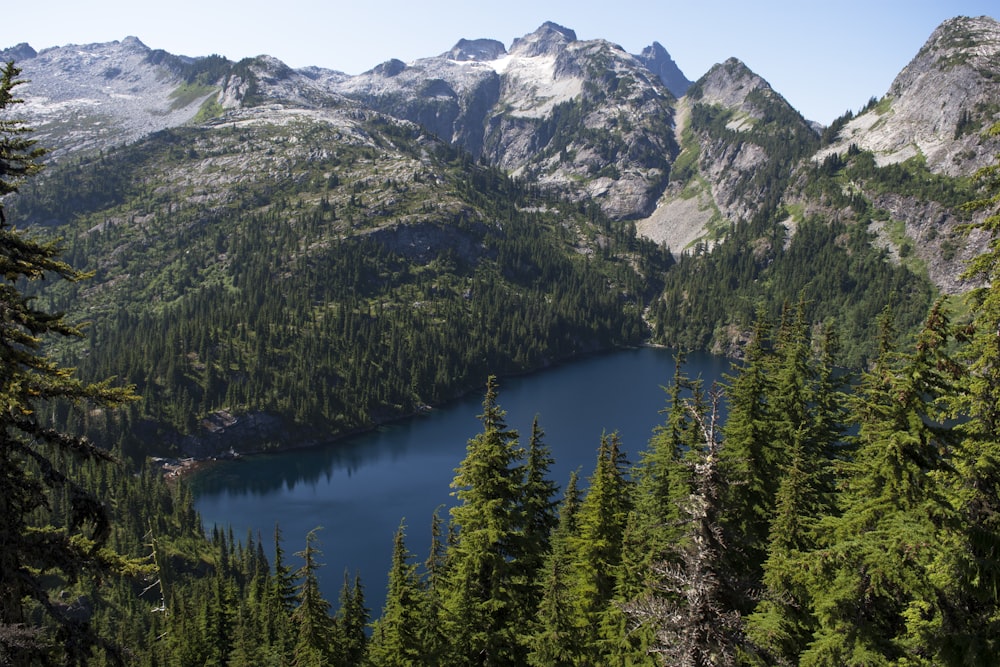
481 619
808 416
690 604
874 594
32 453
311 618
556 640
596 549
751 456
537 520
434 583
396 633
662 482
350 642
279 603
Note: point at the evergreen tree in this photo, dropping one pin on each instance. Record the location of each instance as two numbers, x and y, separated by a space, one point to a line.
32 453
596 549
434 587
662 482
537 519
807 423
751 456
691 604
875 595
557 641
279 603
350 641
396 633
481 618
315 641
662 485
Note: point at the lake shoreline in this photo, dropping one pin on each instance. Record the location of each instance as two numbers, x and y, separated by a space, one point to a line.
276 428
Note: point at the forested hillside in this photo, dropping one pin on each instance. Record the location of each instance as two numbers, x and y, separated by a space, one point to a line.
333 282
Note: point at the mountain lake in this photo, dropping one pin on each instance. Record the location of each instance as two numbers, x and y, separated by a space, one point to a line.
359 489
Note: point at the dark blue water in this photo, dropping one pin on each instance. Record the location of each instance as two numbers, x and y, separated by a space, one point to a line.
360 489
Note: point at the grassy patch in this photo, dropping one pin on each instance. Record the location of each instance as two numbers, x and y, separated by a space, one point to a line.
188 93
209 109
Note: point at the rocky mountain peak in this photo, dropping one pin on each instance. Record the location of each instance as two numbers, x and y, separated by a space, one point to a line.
658 61
957 68
549 39
728 84
476 49
134 44
389 68
18 52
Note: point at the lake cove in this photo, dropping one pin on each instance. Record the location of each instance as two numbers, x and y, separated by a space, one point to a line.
359 489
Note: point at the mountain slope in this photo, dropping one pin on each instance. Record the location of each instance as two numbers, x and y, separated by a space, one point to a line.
938 105
580 117
740 141
910 154
296 270
87 97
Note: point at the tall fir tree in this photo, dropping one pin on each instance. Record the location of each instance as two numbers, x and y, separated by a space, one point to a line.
396 634
691 604
875 598
350 642
32 453
556 640
663 481
434 586
537 519
314 644
808 417
481 618
751 455
596 549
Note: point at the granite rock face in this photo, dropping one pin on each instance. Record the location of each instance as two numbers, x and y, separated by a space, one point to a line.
939 104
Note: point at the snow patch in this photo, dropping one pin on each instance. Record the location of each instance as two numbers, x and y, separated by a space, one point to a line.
532 86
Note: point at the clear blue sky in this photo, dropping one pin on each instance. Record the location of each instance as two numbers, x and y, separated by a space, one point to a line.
824 57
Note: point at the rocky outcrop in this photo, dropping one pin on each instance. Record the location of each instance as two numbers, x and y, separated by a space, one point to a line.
743 142
939 104
658 61
86 97
549 40
18 53
476 49
934 235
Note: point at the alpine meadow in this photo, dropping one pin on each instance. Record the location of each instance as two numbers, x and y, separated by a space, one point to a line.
205 259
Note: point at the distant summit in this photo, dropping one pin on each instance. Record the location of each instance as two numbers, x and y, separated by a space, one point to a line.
476 49
549 39
22 51
658 61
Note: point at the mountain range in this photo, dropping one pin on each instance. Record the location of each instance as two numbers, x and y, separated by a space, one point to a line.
165 169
